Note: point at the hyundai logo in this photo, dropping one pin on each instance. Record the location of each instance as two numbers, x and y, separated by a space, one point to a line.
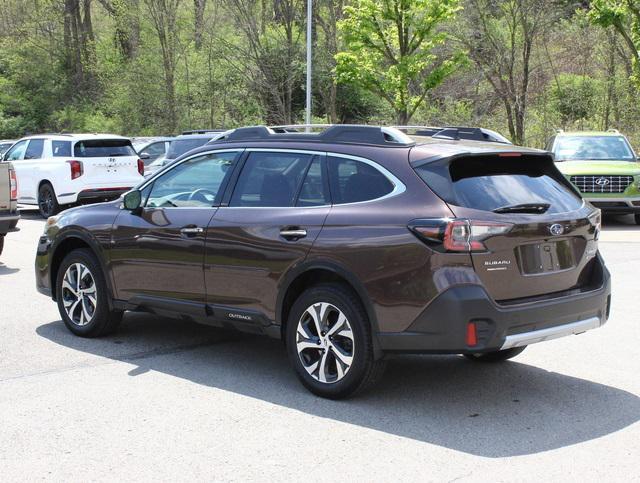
556 229
602 181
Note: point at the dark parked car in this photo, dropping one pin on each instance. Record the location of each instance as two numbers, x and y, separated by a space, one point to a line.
348 244
150 149
180 145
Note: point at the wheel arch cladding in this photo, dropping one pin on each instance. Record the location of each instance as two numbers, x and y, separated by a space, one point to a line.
66 246
308 276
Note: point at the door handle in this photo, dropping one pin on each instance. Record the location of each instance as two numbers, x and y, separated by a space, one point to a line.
192 230
293 233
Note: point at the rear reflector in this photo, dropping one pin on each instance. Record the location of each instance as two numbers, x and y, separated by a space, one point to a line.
76 169
472 337
13 183
141 167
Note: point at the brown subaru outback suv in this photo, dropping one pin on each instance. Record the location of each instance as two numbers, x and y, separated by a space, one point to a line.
347 244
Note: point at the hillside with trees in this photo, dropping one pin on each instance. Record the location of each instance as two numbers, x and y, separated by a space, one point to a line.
150 67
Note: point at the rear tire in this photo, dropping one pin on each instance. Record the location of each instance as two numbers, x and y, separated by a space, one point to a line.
339 362
83 296
47 201
637 218
496 356
1 243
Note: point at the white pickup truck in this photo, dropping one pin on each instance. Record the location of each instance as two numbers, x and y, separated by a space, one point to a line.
9 214
64 169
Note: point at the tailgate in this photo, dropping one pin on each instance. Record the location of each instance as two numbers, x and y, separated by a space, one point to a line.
535 235
108 162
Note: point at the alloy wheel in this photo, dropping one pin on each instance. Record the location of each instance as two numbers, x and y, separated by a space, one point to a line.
46 201
325 343
79 296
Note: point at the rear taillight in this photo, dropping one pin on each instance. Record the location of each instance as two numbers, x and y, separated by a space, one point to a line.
77 169
458 235
141 167
13 183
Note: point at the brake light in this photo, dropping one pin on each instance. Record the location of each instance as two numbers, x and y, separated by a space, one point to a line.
13 183
458 235
595 219
77 169
141 167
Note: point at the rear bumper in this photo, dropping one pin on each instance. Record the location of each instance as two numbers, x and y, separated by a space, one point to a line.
442 326
8 222
101 194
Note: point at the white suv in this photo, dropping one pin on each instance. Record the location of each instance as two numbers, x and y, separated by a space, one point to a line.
62 169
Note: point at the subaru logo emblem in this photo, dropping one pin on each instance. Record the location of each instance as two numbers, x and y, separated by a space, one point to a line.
556 229
602 181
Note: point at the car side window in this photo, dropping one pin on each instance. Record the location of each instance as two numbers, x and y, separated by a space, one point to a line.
193 183
61 149
155 149
354 181
17 151
270 179
314 190
34 150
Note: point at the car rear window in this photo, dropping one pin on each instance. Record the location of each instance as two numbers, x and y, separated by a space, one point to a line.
490 182
103 148
180 146
61 149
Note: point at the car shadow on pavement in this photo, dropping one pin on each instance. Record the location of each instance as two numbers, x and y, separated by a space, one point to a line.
4 270
492 411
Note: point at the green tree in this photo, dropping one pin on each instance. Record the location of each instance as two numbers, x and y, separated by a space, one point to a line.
394 48
624 17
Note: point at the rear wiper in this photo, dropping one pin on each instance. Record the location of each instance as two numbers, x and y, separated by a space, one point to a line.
524 208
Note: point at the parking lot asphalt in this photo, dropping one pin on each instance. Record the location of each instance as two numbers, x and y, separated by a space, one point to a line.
166 400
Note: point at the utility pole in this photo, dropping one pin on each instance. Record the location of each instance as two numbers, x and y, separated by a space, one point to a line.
309 57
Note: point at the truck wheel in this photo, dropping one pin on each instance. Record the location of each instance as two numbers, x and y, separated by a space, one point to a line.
496 356
83 296
329 343
47 202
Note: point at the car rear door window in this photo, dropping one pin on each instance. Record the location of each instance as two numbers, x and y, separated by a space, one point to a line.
103 148
34 150
61 149
270 179
194 183
314 190
355 181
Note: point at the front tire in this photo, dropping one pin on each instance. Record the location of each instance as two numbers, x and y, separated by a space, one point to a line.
83 296
329 342
496 356
47 201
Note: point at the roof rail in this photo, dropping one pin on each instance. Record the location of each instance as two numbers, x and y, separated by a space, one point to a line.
201 131
335 133
457 133
615 131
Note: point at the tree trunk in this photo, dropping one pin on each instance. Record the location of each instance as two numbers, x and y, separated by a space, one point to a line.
198 24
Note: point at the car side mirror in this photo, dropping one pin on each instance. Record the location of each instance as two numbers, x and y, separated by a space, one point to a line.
145 155
132 200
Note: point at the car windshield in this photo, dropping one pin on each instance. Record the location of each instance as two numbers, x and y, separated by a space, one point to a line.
600 148
180 146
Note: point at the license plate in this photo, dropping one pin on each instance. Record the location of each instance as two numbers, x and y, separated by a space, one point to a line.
546 257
